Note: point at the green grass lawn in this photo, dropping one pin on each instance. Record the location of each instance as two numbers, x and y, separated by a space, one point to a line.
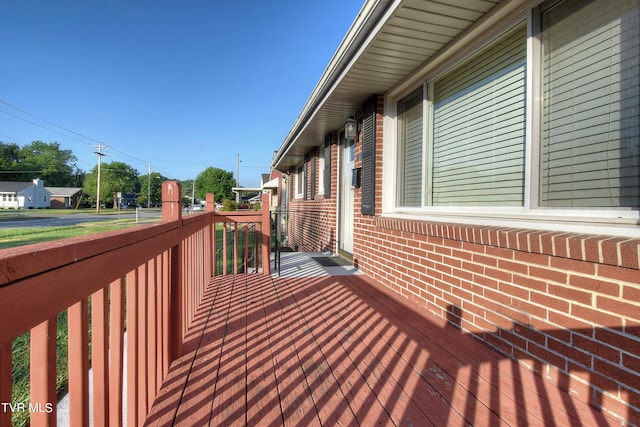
13 237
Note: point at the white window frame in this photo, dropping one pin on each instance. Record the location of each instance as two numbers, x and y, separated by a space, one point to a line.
320 172
611 221
300 181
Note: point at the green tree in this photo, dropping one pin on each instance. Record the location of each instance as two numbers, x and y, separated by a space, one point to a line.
156 188
55 166
9 160
187 186
115 177
217 181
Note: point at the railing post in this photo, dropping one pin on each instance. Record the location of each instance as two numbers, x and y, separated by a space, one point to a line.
172 211
42 362
211 207
211 203
171 201
266 234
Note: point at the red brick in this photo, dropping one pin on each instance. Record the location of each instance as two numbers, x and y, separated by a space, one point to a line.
560 334
618 340
550 302
594 378
631 293
570 352
576 250
619 307
529 308
633 329
595 285
592 248
499 344
523 241
535 244
629 254
473 247
547 356
462 274
570 294
512 239
549 275
474 268
597 348
514 314
500 253
570 322
515 291
560 245
460 292
499 320
530 258
486 303
573 265
631 362
595 316
619 273
498 297
486 282
500 275
529 334
485 260
530 283
546 241
515 267
609 250
512 338
617 374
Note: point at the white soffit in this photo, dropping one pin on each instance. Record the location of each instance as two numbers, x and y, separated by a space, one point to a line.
396 37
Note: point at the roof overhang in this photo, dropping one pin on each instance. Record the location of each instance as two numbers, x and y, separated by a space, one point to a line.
274 183
386 43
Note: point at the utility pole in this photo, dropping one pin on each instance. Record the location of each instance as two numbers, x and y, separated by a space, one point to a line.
149 188
238 177
193 194
100 154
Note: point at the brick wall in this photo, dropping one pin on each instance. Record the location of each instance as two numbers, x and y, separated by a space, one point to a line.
312 222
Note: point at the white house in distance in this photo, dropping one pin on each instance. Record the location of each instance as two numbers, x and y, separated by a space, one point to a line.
24 195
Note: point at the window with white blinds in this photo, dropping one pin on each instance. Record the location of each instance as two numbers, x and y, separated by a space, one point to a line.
478 141
589 150
410 144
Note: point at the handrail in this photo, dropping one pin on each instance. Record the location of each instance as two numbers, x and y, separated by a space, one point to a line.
145 283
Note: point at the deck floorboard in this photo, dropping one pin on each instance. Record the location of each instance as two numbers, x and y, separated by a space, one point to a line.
342 350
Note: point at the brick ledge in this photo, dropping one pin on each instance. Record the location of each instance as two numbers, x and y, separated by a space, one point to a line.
602 249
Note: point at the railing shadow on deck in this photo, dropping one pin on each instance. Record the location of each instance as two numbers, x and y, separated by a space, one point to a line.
146 282
340 351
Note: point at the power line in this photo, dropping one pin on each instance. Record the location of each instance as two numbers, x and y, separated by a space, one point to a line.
46 121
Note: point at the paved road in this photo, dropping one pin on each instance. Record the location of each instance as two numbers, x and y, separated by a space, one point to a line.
52 220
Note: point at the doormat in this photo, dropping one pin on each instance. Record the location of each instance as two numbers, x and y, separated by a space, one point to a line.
331 261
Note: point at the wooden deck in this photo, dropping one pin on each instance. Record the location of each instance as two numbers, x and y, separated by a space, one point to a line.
340 350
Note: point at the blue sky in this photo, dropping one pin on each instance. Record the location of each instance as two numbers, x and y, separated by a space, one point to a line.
180 85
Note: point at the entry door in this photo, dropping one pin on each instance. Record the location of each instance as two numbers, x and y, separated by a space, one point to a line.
346 198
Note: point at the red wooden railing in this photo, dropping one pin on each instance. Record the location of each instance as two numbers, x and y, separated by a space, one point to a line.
141 284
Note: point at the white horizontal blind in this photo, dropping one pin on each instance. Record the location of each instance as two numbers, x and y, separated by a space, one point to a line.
410 138
590 126
479 127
